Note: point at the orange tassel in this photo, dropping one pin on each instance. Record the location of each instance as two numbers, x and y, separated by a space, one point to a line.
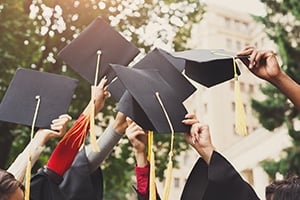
79 129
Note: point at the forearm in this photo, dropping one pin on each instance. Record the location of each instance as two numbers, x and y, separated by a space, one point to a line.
288 87
205 152
141 159
106 143
18 167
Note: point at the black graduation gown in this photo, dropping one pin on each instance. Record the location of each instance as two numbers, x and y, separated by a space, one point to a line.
77 183
216 181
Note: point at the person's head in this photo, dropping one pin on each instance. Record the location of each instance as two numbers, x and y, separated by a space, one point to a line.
10 188
287 189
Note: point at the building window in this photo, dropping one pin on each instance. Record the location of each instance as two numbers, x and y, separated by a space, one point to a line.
176 182
228 43
186 159
237 25
242 86
205 108
245 27
238 45
251 88
227 22
232 84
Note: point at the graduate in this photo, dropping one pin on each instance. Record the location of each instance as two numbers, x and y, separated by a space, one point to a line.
212 177
59 179
30 100
11 186
69 174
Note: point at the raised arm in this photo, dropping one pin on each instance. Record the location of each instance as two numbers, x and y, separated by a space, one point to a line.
199 137
264 65
66 150
138 139
107 141
213 177
37 145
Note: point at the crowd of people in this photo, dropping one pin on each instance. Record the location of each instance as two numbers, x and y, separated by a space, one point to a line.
74 173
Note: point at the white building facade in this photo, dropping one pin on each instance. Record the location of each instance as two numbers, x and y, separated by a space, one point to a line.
231 30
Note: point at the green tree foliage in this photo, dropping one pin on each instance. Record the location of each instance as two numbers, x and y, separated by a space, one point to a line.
282 23
34 31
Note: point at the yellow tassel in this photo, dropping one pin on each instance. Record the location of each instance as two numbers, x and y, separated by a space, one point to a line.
170 163
150 144
28 167
27 179
168 178
93 138
240 116
152 187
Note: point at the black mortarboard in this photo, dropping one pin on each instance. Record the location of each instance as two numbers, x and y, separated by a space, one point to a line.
19 102
169 68
81 53
208 67
129 106
143 85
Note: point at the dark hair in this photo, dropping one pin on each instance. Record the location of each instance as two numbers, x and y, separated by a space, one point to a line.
8 184
287 189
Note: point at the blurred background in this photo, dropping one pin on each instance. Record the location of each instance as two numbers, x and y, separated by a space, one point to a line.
32 32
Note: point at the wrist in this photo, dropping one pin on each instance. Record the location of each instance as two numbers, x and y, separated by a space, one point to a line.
278 79
206 153
41 138
120 124
141 159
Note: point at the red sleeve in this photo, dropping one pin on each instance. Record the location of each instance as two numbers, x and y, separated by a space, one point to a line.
142 178
65 151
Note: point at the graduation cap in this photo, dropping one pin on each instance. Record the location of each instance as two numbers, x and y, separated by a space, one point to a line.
170 69
90 54
160 104
210 67
95 48
143 86
28 87
35 98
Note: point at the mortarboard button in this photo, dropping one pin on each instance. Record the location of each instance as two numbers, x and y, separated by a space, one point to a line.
19 102
98 42
143 85
170 69
208 67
